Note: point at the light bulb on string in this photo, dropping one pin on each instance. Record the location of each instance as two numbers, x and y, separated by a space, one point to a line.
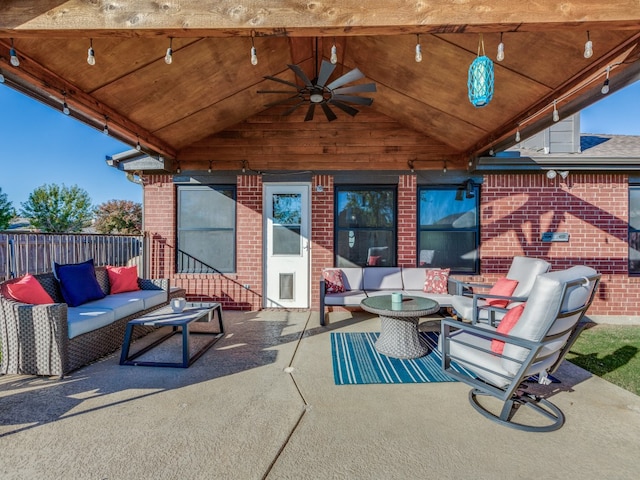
518 134
105 129
588 47
138 146
556 115
444 169
91 57
605 87
254 53
15 61
1 77
500 54
168 58
418 50
65 107
334 53
210 162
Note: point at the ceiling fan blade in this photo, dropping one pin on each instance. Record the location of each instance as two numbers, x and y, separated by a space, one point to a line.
327 111
286 82
292 109
353 99
309 115
280 102
348 77
298 71
362 88
344 107
326 70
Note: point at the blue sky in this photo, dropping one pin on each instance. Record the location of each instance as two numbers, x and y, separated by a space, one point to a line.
40 145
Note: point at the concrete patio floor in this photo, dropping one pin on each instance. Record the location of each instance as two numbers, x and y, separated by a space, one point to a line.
240 412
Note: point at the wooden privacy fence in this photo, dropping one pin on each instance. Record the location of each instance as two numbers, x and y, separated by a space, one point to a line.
22 253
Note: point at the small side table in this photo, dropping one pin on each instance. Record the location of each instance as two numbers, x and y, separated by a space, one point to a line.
399 336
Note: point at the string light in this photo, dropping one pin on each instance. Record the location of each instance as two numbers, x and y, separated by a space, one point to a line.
418 49
138 146
65 107
605 87
500 54
444 168
210 162
518 134
15 61
588 47
254 54
168 58
556 115
105 129
334 53
91 57
1 77
178 170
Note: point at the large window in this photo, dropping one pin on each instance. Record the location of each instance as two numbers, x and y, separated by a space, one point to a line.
206 229
365 226
634 230
448 228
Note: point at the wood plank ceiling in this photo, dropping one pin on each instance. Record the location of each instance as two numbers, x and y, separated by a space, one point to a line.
204 111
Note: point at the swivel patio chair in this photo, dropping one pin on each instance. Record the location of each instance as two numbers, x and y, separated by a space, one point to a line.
535 345
477 306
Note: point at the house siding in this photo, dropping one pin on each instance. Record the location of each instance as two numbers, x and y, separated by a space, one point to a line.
516 209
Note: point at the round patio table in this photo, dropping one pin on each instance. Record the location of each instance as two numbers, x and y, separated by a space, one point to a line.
399 324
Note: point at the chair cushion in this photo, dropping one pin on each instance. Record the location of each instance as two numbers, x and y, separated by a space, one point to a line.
78 283
28 290
525 270
333 282
123 279
86 319
437 280
506 324
503 287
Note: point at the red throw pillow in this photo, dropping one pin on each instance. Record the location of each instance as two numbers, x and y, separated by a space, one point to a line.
29 290
333 282
503 287
374 260
506 324
437 280
123 279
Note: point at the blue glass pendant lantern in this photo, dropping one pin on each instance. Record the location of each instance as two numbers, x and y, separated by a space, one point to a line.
480 82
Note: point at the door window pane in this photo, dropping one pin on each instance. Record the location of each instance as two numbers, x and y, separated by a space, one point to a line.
365 226
634 230
449 228
206 229
287 218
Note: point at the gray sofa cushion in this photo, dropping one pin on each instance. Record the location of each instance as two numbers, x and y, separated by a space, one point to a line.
85 319
382 278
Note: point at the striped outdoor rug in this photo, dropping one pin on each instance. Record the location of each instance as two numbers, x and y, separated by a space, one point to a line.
357 362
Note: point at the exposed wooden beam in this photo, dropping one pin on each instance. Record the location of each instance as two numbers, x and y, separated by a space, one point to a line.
224 18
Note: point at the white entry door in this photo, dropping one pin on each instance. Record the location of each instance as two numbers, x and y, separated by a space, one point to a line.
286 228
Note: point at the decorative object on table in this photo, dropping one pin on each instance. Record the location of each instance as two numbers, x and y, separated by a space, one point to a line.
481 78
357 362
178 304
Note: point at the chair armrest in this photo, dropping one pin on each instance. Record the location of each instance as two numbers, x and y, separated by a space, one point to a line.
154 283
458 287
485 296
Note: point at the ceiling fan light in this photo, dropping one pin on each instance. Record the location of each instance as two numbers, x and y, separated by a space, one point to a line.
334 53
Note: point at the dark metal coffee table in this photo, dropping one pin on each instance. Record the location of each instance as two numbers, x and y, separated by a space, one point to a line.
180 323
399 324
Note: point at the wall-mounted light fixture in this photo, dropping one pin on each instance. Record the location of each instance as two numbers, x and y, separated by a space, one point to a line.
551 174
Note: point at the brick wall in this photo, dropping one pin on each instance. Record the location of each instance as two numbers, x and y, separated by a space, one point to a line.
322 204
407 218
592 208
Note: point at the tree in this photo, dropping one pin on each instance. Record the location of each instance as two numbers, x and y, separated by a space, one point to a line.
119 216
7 212
58 209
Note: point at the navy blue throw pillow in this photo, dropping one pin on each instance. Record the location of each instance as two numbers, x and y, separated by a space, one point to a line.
78 283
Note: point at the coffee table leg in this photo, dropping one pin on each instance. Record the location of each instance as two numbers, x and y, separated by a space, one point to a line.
399 338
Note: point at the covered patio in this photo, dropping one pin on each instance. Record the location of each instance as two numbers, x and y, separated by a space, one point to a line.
237 414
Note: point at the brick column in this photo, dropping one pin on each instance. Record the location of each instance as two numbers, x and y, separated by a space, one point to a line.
322 205
407 220
249 236
160 223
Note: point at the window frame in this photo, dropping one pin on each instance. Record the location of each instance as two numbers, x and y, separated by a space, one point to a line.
631 230
210 269
394 229
476 229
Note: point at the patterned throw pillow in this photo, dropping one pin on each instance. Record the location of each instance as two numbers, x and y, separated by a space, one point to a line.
333 282
506 324
437 280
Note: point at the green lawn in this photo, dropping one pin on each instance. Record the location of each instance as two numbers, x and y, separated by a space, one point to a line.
611 352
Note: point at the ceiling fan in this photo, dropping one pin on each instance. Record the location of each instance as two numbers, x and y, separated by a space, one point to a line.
318 92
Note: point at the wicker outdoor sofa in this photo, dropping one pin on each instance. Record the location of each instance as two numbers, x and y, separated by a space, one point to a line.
35 338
